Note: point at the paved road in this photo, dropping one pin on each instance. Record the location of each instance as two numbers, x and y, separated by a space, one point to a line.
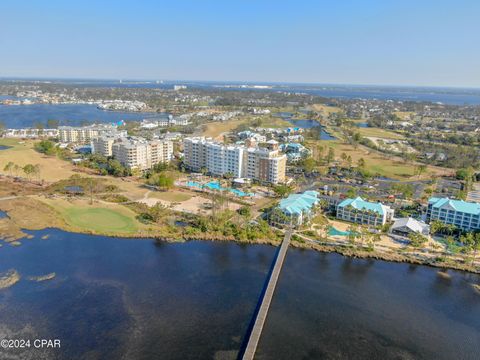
8 198
474 194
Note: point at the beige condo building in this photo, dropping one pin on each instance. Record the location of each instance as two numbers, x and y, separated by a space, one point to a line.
134 153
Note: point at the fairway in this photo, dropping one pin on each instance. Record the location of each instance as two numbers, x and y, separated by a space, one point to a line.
376 163
380 133
100 219
22 153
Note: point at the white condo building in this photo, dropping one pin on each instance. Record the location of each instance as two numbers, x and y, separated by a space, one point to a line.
262 164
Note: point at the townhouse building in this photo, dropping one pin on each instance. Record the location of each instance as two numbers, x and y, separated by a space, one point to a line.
464 215
364 212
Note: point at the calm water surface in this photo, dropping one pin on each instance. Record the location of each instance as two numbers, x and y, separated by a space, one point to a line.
114 298
305 124
19 116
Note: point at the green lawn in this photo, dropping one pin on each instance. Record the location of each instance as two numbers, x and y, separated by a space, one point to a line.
100 219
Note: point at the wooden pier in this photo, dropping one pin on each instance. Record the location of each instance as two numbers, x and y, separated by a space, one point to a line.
262 313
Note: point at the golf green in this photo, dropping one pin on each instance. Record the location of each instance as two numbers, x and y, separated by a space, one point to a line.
100 219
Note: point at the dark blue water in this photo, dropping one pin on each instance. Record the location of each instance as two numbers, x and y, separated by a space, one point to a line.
4 147
20 116
115 297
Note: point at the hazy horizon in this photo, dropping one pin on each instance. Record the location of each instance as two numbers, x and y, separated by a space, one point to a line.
227 82
427 44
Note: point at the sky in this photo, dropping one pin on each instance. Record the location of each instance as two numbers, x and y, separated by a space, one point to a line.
383 42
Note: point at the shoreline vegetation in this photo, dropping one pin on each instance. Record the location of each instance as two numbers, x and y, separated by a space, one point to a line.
12 230
9 278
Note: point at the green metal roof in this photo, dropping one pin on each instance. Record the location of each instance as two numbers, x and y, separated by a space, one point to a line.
295 204
458 205
360 204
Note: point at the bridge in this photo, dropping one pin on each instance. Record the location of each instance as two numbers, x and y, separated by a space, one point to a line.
265 301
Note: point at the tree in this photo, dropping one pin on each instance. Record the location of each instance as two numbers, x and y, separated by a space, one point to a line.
16 169
349 161
9 167
162 180
309 164
419 169
278 216
471 241
318 152
245 211
116 168
29 169
330 155
417 240
357 137
436 226
361 163
351 193
282 190
352 234
46 147
36 171
465 174
449 245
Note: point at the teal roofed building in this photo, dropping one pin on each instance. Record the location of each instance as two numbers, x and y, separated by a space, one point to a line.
299 208
364 212
465 215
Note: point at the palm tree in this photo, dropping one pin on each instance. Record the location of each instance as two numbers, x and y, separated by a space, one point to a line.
450 241
16 169
9 167
36 171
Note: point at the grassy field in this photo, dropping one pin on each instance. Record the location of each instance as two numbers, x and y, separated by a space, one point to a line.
26 213
378 132
404 115
22 153
217 128
325 109
376 163
172 196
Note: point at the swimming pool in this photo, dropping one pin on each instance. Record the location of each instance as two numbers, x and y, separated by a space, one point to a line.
215 185
335 232
194 184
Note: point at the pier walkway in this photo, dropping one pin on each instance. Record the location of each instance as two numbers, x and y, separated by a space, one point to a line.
256 332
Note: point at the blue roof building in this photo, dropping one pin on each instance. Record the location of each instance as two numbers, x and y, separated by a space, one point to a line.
299 207
465 215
